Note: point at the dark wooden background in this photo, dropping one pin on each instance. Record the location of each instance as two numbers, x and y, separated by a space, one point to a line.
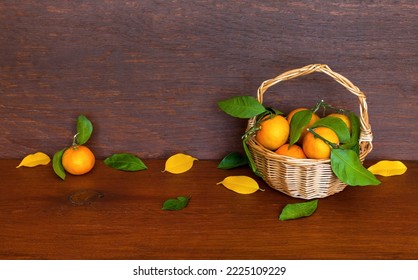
149 73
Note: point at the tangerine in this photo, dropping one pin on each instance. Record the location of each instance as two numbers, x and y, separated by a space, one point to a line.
273 132
344 118
78 160
293 151
314 147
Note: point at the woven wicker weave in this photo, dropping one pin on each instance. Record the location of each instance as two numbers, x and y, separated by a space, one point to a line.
306 178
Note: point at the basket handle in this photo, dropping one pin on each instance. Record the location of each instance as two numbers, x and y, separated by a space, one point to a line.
366 134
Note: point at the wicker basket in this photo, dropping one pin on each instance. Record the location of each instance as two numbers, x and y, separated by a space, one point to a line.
305 178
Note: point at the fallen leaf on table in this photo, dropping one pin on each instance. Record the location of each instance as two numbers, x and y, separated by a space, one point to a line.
179 163
35 159
388 168
175 204
125 162
298 210
240 184
57 164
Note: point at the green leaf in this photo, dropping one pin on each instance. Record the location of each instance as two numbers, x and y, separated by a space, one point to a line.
175 204
355 127
84 129
233 160
298 210
353 144
57 164
274 111
347 166
242 106
250 158
337 125
125 162
299 121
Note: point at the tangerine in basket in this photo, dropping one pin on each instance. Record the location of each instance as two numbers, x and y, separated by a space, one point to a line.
314 147
344 118
314 118
293 151
78 160
273 132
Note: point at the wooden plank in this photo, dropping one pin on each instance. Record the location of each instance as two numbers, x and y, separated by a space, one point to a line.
39 222
149 74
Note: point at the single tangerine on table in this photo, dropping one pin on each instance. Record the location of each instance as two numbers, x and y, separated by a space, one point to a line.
293 151
314 147
78 160
273 133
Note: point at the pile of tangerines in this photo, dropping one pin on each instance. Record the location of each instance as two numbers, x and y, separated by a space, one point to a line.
273 134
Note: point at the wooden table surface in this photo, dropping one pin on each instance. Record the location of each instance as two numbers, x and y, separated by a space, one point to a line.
38 221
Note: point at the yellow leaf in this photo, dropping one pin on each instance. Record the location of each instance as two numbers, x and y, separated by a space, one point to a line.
36 159
240 184
179 163
388 168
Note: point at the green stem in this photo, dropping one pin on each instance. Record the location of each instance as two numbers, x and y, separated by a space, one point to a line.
249 132
338 110
256 126
318 105
332 145
321 103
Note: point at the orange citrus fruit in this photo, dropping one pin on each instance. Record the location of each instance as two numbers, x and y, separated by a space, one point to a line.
78 160
314 118
314 147
293 151
344 118
273 132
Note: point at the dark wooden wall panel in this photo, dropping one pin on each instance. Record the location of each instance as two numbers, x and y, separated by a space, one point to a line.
149 73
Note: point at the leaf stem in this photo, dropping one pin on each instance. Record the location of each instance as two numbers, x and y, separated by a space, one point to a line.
256 126
338 110
249 132
75 143
324 105
332 145
318 105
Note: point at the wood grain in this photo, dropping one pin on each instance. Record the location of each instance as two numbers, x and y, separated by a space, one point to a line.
38 221
149 73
